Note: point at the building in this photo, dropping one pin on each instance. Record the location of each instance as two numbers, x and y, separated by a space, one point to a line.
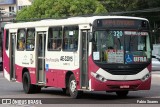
23 3
11 7
8 10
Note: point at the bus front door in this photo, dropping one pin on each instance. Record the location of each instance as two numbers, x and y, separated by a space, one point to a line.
84 60
12 56
41 41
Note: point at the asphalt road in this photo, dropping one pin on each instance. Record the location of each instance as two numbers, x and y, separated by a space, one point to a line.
55 96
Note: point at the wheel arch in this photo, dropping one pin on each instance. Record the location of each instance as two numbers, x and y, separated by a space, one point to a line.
24 70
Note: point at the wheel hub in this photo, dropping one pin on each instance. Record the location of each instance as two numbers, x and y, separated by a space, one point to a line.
73 85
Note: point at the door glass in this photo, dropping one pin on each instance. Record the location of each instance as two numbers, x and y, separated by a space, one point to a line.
41 57
84 69
12 61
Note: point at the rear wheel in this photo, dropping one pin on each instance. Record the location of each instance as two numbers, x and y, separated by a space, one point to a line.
27 86
122 94
74 93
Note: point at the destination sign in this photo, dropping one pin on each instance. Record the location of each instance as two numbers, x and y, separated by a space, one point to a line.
121 23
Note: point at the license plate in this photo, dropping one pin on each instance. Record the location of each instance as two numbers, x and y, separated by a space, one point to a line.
124 86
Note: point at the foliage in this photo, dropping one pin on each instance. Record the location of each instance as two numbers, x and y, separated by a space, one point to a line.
60 8
128 5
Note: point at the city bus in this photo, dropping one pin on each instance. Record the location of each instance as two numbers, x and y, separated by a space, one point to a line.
78 54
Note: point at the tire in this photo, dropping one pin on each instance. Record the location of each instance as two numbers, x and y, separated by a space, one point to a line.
27 86
74 93
122 94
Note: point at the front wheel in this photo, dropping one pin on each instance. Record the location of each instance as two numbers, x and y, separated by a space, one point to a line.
122 94
74 93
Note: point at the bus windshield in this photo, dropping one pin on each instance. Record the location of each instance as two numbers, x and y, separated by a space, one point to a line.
121 46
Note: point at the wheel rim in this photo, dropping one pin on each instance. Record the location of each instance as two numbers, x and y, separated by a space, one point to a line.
73 86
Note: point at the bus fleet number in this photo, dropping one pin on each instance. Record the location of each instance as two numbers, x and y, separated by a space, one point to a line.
66 58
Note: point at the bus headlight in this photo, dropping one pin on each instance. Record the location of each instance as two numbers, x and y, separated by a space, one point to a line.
146 77
98 77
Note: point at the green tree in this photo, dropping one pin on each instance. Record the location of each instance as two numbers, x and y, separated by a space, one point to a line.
60 8
129 5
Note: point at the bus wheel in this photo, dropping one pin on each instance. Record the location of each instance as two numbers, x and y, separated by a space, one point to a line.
27 86
122 94
74 93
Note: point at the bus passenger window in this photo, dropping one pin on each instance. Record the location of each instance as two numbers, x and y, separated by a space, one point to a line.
30 40
55 39
21 39
70 41
56 45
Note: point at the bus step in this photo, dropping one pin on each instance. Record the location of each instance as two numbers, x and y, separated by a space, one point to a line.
84 87
41 83
13 79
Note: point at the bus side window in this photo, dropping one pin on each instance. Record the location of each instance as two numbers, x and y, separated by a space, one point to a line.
55 39
30 39
70 39
21 39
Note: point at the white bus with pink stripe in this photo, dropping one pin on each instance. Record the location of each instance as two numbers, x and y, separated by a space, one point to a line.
98 53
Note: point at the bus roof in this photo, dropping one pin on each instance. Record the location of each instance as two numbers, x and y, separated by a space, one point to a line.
67 21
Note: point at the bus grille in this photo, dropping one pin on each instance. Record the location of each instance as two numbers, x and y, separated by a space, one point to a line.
124 72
